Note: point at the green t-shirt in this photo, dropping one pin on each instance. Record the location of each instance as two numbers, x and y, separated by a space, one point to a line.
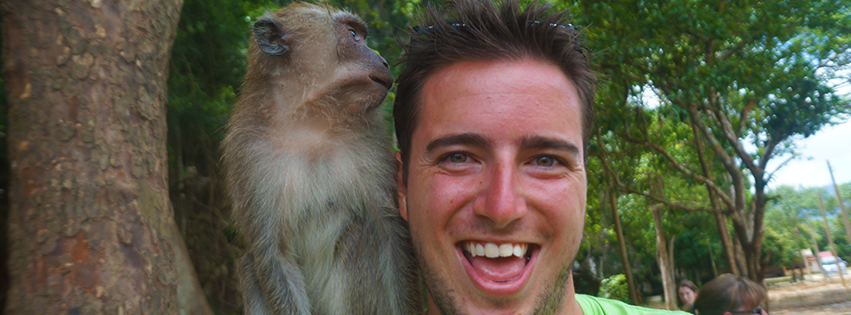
599 306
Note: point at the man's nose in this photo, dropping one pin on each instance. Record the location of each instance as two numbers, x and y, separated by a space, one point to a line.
501 201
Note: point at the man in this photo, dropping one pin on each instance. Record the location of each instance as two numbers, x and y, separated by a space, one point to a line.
492 114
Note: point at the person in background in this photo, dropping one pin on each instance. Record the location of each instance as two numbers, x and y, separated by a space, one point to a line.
728 294
687 291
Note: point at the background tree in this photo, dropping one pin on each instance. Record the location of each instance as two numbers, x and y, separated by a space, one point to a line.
739 74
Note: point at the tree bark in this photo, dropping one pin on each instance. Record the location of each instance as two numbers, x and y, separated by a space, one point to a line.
91 226
665 268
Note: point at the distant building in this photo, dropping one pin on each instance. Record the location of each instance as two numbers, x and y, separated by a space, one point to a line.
812 262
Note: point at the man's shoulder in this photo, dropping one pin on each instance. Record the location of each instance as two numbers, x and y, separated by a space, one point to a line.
592 305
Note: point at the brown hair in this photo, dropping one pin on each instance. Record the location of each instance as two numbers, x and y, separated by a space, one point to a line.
688 284
728 293
481 30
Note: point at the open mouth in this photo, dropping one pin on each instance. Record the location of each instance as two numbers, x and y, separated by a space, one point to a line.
498 263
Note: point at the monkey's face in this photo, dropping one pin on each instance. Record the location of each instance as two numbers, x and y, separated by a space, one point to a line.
323 51
495 196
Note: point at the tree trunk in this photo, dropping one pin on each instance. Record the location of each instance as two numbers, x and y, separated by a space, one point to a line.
91 226
633 294
671 259
665 268
720 219
727 243
712 260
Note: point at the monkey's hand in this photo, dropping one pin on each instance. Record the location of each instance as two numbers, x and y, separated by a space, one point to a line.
271 284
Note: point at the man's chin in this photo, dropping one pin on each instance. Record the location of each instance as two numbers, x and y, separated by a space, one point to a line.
495 296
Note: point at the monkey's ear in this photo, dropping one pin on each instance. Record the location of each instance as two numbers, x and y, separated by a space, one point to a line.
271 37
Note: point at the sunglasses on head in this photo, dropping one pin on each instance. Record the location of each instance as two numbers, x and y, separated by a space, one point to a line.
757 310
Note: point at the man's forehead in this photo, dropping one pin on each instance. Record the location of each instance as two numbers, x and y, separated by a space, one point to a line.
493 73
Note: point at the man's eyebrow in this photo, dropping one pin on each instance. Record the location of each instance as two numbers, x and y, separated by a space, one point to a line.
538 142
463 139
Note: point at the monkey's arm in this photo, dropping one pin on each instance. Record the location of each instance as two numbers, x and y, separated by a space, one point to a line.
271 283
398 264
281 282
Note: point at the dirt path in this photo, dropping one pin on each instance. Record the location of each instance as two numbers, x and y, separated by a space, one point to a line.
816 297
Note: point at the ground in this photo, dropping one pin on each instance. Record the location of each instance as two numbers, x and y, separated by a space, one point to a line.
811 297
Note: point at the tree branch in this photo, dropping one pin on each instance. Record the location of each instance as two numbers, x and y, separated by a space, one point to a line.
729 53
726 160
730 134
672 205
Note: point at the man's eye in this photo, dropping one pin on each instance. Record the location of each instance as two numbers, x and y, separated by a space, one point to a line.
545 161
457 158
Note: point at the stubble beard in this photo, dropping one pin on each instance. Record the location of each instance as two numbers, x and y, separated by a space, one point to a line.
549 302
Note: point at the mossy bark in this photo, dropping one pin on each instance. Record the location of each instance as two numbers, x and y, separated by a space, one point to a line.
91 226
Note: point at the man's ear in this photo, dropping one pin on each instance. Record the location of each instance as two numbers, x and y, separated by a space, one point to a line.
401 189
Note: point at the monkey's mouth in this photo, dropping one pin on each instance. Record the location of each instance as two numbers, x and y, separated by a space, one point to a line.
386 83
499 263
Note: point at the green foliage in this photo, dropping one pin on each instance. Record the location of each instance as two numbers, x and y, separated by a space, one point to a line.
615 288
787 230
745 72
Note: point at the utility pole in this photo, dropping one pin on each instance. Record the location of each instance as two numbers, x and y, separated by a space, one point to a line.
830 240
815 244
841 205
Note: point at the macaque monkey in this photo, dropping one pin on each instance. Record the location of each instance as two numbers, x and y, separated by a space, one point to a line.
311 173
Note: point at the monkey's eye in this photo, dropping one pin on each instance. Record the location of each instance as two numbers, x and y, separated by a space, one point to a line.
354 35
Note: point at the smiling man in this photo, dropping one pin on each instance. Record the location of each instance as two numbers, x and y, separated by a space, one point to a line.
492 114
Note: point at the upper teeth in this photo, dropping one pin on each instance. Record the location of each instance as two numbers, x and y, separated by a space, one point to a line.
492 250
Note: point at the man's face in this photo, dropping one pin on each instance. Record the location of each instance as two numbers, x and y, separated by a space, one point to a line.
496 169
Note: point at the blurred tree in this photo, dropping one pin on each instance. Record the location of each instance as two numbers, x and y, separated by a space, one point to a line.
206 68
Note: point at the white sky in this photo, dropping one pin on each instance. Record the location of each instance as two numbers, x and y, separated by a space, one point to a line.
810 170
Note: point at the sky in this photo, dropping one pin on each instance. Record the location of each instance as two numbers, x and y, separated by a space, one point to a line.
810 170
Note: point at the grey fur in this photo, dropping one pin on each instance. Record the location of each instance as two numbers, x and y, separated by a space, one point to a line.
311 176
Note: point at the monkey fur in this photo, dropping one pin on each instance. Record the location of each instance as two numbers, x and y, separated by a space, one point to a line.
311 175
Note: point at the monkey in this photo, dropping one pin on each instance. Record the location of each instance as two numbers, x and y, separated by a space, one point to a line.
310 172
